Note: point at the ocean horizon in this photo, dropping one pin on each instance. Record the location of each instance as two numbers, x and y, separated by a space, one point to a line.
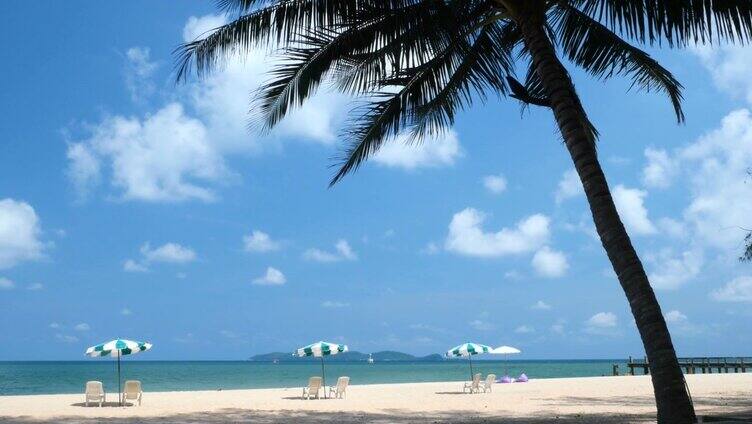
65 377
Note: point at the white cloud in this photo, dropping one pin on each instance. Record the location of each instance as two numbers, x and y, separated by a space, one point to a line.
558 327
259 241
619 160
19 233
35 286
481 325
670 271
430 249
602 320
659 170
82 327
630 204
273 277
675 317
132 266
172 253
138 73
427 327
84 169
168 253
466 236
717 165
6 284
716 168
164 157
201 27
541 306
569 186
737 290
731 67
496 184
222 100
229 334
65 338
672 227
54 325
550 263
125 311
682 326
342 252
432 152
524 329
512 275
171 155
334 304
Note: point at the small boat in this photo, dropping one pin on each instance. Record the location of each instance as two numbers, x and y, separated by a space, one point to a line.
370 359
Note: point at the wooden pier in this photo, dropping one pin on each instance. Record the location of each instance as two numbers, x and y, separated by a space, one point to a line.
706 365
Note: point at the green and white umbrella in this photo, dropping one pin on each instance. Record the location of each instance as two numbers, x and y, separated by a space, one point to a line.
320 350
468 349
117 348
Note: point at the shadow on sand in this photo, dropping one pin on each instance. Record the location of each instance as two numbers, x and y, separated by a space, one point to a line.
390 416
729 409
104 404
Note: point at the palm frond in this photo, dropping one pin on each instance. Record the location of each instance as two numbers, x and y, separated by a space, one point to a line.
532 92
603 54
305 67
678 22
314 54
278 23
407 36
747 254
482 68
417 85
239 6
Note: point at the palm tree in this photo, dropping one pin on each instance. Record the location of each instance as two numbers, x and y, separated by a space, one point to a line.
416 63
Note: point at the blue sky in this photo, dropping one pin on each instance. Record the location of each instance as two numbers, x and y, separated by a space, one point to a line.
133 207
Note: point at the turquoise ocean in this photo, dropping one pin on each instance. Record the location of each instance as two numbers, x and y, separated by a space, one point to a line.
52 377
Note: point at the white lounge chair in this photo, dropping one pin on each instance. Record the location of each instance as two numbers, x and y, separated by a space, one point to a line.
133 391
487 384
95 392
340 390
313 389
472 386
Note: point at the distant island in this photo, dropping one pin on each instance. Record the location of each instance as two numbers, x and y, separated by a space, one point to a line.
354 356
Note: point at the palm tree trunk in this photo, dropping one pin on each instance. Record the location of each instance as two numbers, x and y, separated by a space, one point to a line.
672 399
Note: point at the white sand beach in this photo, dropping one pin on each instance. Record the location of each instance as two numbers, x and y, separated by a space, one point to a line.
592 399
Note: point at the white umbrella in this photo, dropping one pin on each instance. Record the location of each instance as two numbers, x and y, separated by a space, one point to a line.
319 350
117 348
506 350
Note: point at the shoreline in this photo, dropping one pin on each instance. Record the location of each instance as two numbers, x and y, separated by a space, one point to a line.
36 378
582 399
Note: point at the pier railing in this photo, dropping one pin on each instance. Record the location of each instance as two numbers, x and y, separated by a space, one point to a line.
703 365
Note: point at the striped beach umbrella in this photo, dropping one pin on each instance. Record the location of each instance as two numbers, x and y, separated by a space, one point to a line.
468 349
117 348
320 350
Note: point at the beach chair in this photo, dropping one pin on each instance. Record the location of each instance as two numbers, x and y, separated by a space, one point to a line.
95 392
133 391
488 383
314 386
472 386
340 390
